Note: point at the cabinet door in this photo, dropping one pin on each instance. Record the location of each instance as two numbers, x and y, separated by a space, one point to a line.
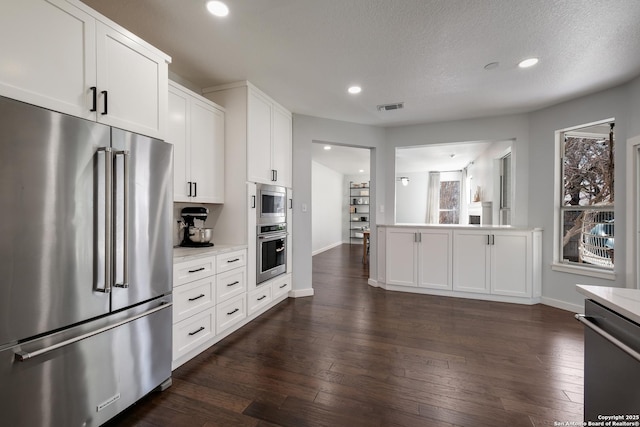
401 257
259 139
282 146
135 81
178 135
207 152
48 55
510 264
471 261
435 255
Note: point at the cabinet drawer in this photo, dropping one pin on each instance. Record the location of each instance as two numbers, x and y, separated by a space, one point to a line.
193 298
230 284
231 312
193 331
258 298
226 262
188 271
281 285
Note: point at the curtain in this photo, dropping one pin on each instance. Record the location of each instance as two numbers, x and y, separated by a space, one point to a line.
433 198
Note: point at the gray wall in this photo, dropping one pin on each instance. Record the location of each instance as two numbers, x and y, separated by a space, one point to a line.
559 286
307 129
533 155
327 199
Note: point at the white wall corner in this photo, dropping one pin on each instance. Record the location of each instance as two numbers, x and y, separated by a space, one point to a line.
574 308
300 293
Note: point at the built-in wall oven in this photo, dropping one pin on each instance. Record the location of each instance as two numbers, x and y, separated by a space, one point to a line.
271 204
271 251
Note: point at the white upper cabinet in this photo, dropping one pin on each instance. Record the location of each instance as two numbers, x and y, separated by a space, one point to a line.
132 84
196 130
260 126
64 56
48 55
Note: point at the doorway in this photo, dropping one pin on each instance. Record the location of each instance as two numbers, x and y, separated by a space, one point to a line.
340 175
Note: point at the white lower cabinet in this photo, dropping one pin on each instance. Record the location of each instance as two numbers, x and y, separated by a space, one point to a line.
258 298
417 257
211 300
231 312
281 286
493 262
496 264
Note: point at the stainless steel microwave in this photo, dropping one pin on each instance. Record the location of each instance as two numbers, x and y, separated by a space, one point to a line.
271 206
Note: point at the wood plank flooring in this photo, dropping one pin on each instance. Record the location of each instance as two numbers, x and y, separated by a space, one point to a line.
354 355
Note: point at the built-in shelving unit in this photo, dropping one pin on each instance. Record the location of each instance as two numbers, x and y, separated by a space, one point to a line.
358 210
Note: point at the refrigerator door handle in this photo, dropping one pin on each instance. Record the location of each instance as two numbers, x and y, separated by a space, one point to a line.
108 188
125 238
22 356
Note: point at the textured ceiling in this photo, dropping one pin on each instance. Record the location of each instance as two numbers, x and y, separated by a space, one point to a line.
429 54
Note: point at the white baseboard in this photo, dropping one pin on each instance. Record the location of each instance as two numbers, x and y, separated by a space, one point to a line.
562 305
326 248
299 293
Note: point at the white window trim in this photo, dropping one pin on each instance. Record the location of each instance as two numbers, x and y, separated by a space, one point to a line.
558 264
632 278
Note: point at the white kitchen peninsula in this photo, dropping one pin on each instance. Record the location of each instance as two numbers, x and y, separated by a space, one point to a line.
494 263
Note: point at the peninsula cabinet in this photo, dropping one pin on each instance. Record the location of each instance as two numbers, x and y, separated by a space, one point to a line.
264 126
500 264
71 59
196 130
419 257
494 262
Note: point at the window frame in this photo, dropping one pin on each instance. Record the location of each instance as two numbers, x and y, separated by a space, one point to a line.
558 263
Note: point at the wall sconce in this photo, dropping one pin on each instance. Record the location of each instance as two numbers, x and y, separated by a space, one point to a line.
404 180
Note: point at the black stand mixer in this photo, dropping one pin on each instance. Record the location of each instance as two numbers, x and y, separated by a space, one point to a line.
194 237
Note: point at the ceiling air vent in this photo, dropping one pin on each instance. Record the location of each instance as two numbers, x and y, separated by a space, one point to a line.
389 107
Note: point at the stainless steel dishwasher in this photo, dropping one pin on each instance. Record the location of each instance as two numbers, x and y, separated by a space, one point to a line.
611 366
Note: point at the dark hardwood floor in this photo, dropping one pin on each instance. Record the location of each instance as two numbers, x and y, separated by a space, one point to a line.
354 355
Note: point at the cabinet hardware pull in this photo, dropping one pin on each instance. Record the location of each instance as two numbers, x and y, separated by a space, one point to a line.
613 340
195 189
196 270
493 239
106 103
195 298
262 297
290 203
276 171
189 183
234 260
488 239
94 102
253 202
233 311
199 330
283 286
232 284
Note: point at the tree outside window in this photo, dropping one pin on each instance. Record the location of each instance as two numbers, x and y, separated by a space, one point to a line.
587 205
449 212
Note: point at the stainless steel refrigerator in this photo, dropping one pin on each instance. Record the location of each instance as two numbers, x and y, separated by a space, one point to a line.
85 267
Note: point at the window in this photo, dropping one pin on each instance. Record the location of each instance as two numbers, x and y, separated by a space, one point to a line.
586 213
449 212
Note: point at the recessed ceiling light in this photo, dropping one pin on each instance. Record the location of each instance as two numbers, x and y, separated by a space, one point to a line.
217 8
361 170
327 147
530 62
354 90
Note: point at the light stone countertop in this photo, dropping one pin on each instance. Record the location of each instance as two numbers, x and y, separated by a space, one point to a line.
623 301
182 254
460 227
